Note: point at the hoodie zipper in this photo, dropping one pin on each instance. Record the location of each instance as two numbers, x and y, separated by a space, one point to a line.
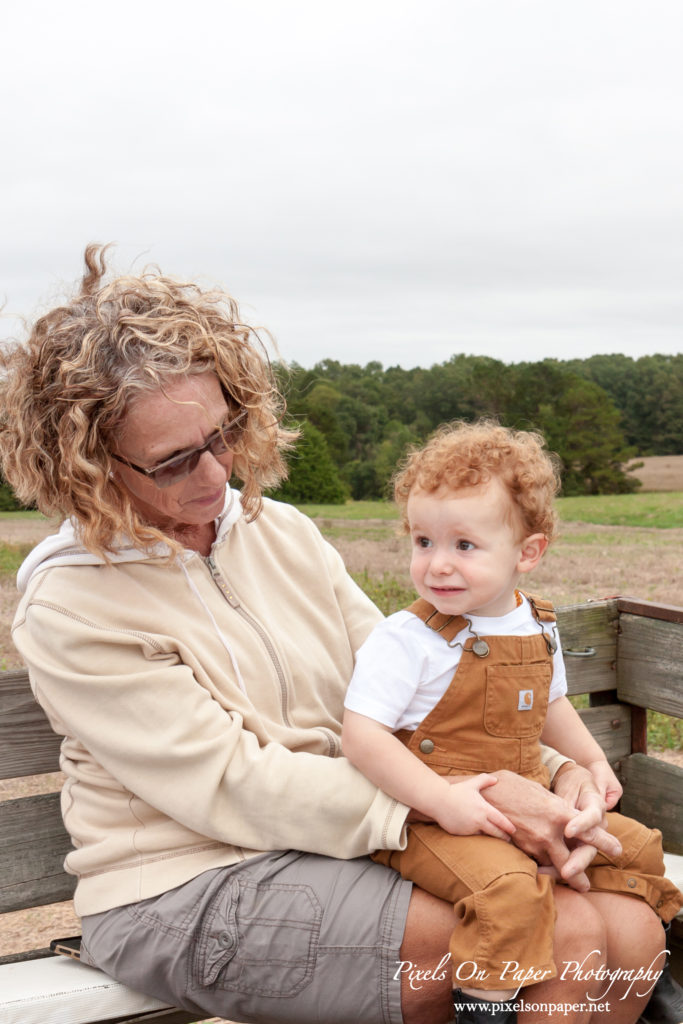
222 584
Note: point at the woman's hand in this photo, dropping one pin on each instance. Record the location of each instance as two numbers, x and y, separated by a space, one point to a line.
561 829
577 787
586 831
607 783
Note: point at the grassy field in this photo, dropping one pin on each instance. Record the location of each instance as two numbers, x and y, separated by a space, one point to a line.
628 544
663 510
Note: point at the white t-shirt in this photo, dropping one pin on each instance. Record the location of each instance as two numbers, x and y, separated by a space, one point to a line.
403 669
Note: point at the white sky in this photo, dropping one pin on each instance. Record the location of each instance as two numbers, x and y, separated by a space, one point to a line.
371 179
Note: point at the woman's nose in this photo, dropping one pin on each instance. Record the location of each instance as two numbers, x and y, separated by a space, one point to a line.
214 469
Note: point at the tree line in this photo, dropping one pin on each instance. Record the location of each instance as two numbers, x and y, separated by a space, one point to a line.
357 422
597 414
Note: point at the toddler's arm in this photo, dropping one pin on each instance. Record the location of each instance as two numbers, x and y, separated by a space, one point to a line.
565 731
460 809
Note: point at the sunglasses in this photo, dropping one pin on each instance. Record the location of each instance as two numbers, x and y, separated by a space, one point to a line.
172 470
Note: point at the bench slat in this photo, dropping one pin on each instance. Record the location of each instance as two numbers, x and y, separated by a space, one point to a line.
610 724
651 664
57 989
652 794
28 745
33 845
592 627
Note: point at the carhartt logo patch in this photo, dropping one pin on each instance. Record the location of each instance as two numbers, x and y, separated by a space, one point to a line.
526 700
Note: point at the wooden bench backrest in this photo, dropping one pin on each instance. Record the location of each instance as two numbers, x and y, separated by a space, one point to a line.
33 842
627 657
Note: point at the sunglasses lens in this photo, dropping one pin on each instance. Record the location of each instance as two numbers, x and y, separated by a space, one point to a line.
220 445
168 475
176 470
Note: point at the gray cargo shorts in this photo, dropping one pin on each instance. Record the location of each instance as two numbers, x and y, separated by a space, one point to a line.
284 936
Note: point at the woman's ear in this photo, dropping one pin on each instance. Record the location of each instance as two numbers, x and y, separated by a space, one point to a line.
531 552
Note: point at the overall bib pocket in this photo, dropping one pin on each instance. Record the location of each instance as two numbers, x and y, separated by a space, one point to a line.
516 700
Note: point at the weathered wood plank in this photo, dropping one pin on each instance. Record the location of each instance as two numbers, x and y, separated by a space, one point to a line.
667 612
650 663
652 794
611 726
28 745
589 640
30 954
33 844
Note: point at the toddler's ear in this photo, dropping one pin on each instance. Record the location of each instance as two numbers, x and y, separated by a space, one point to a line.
531 552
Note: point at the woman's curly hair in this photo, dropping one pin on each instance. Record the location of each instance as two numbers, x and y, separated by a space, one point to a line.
463 454
66 391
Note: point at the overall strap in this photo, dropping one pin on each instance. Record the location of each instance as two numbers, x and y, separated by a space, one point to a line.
447 625
543 611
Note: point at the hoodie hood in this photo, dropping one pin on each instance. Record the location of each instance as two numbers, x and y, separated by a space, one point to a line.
65 548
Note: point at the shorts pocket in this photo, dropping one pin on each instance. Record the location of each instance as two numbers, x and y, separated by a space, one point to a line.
258 937
516 700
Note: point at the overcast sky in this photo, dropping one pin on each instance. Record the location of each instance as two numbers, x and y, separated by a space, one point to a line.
388 180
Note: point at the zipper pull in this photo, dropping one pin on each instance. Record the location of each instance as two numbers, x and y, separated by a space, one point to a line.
221 582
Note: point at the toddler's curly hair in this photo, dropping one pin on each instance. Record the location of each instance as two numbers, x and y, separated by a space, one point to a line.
461 455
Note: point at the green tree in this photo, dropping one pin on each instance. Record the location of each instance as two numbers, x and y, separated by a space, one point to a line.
579 423
362 479
8 501
397 438
313 476
465 387
597 413
648 393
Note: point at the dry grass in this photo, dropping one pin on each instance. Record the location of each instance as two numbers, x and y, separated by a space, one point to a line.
16 531
586 563
660 473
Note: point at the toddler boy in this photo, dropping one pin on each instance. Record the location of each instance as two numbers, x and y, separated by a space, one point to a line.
470 680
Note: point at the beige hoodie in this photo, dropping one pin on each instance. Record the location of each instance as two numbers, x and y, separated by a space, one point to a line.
201 703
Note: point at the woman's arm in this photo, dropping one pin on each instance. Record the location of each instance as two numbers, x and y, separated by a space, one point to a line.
137 721
460 809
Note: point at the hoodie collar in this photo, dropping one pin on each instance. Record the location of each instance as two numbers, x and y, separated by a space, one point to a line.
65 548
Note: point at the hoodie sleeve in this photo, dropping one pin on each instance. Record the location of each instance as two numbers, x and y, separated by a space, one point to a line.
137 724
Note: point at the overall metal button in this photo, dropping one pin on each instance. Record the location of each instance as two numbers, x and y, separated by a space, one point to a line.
427 746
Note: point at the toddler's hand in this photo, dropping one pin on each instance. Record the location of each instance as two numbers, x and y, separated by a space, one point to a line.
607 783
465 812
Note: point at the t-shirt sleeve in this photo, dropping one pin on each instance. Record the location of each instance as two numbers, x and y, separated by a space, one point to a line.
389 667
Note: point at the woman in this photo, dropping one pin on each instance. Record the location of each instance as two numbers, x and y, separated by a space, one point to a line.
193 645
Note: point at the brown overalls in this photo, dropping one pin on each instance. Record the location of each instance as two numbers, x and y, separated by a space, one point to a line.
491 718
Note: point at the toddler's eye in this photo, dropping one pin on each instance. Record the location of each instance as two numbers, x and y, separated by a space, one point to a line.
423 542
465 545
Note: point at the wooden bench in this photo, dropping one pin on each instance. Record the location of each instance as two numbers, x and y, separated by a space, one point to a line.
626 655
